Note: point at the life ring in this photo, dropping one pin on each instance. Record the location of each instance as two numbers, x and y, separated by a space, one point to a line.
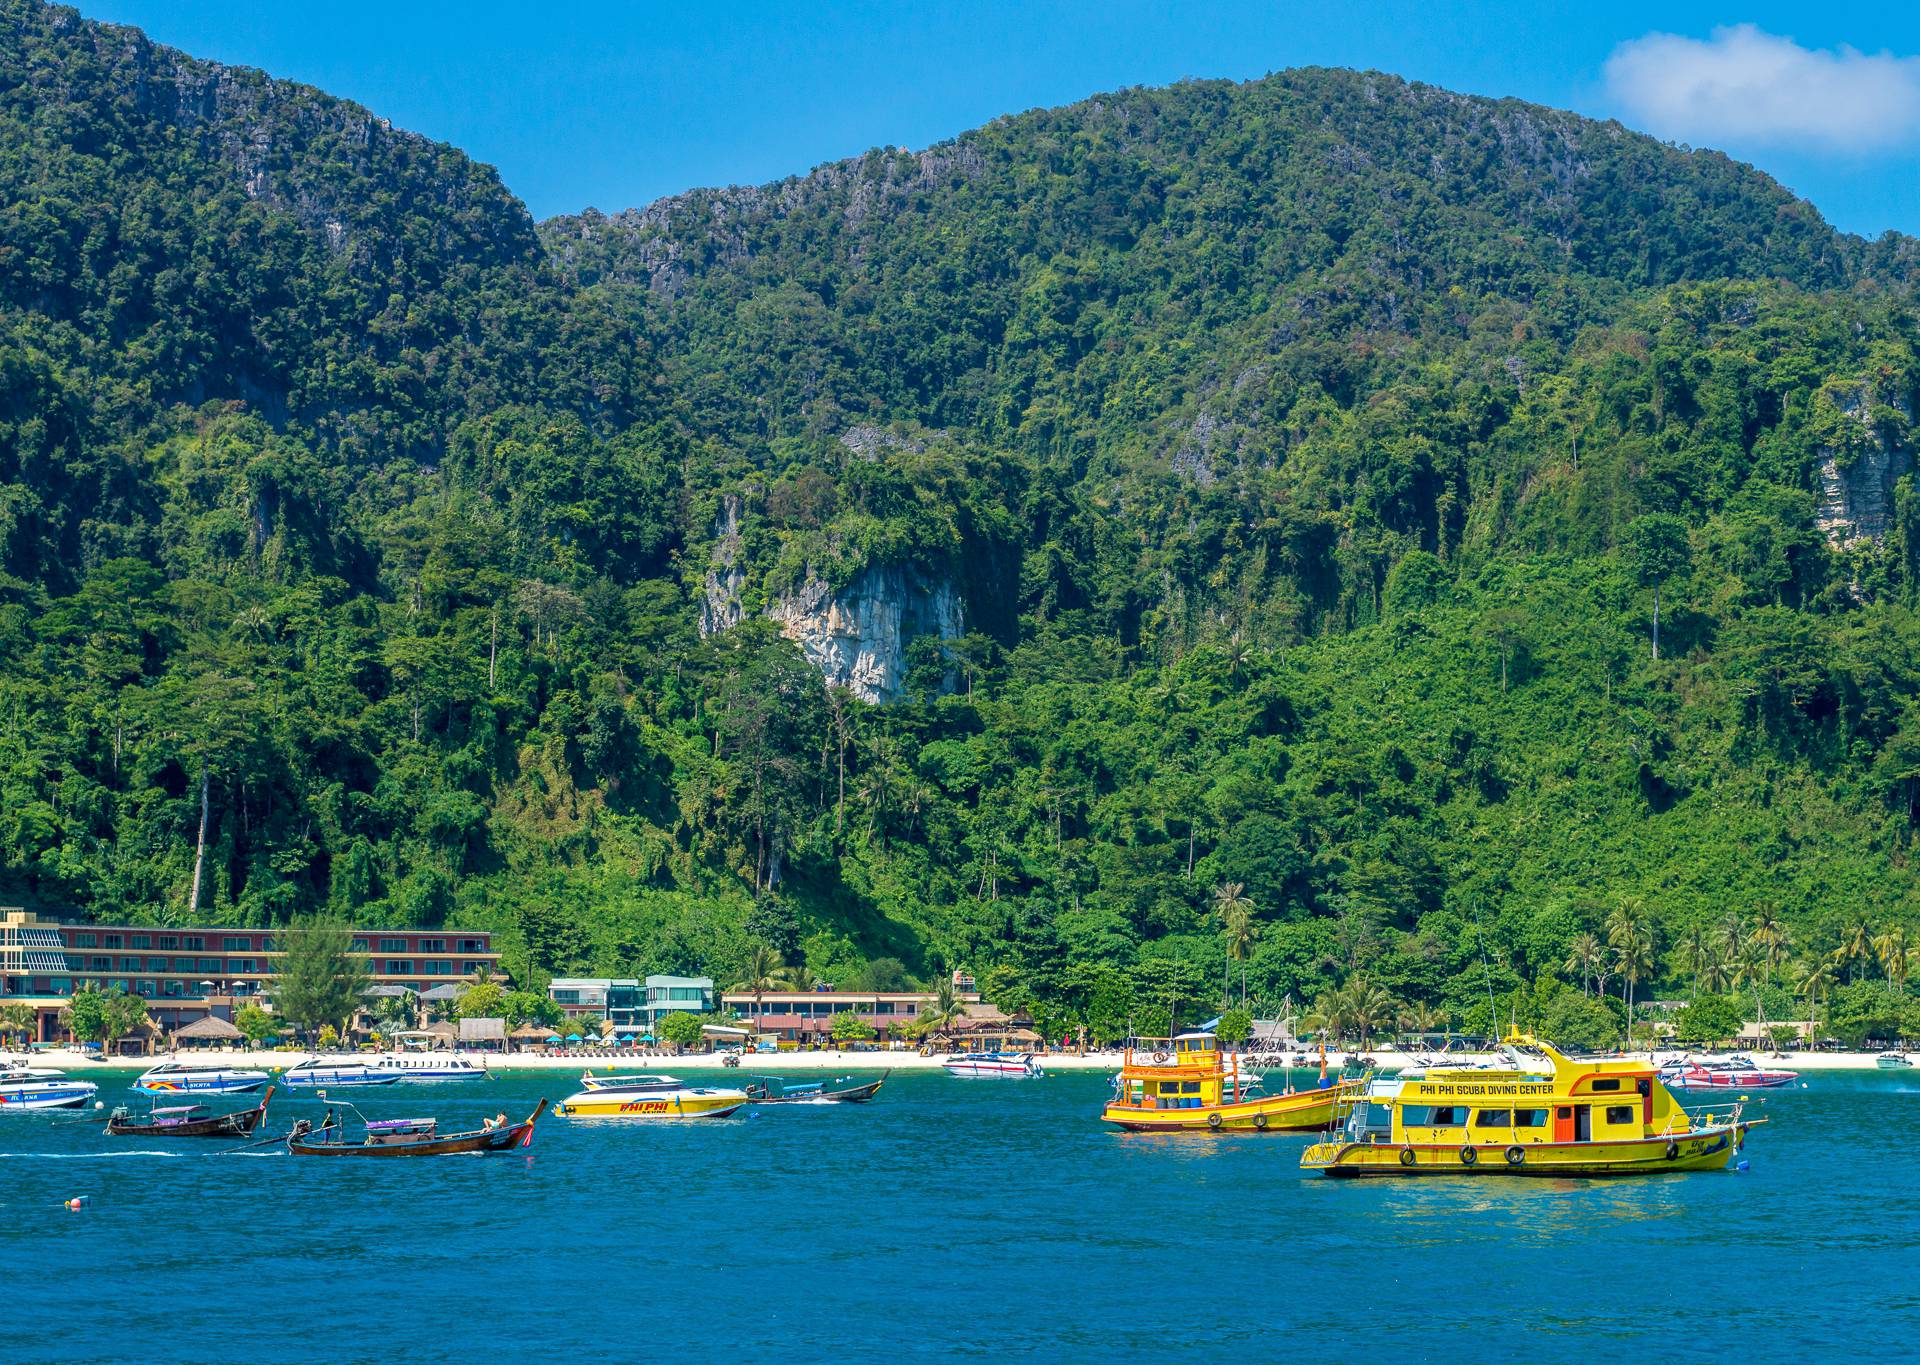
1213 1120
1673 1151
1407 1157
1515 1156
1469 1156
1159 1056
1260 1122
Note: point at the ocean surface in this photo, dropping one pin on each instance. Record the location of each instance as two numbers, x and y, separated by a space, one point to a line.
958 1219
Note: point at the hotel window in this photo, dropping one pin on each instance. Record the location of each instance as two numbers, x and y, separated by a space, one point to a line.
470 966
140 941
240 964
210 964
399 968
130 964
432 945
169 941
192 943
146 988
83 941
393 945
473 945
437 968
237 945
183 964
171 988
110 941
360 945
101 964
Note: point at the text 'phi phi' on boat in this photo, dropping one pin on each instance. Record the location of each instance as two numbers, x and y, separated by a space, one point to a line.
648 1097
1185 1084
1542 1114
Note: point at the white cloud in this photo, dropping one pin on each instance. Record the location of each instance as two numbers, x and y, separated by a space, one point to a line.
1746 85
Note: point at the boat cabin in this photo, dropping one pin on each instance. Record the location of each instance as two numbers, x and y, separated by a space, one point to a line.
395 1132
1183 1072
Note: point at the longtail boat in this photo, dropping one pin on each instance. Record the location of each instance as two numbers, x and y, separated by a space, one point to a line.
1183 1084
1540 1114
187 1120
411 1137
839 1090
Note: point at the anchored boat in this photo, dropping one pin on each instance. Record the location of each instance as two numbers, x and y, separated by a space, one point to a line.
34 1087
1185 1084
410 1137
323 1071
187 1120
1734 1073
198 1078
1006 1065
839 1090
648 1097
1893 1061
1542 1115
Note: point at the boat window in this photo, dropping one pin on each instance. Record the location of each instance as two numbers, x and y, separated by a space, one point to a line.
1620 1113
1189 1087
1610 1083
1494 1118
1529 1118
1433 1116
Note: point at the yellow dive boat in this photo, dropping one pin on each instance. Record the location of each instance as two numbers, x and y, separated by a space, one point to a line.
1545 1114
648 1097
1186 1085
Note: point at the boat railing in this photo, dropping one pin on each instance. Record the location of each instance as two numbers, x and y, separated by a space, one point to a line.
1686 1119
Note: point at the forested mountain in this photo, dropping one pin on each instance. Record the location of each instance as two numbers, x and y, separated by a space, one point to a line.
1232 518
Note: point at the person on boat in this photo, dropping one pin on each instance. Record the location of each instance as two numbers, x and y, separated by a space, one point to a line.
497 1121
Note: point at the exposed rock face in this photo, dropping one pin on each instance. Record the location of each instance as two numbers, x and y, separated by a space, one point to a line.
858 637
1855 503
720 607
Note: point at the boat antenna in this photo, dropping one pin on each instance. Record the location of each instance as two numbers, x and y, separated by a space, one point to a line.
1486 967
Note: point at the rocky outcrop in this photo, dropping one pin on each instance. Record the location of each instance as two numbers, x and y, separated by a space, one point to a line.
1855 498
858 637
720 607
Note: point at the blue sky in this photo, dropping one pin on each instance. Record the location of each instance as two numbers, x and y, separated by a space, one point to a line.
613 105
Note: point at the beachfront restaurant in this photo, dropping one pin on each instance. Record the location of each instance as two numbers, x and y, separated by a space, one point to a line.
805 1018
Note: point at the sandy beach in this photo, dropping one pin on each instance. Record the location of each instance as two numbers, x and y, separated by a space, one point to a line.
79 1063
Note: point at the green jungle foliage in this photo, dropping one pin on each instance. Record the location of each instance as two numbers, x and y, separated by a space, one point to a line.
1426 559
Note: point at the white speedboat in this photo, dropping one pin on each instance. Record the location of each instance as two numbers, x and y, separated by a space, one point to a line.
315 1071
1893 1061
630 1081
1008 1065
36 1088
199 1078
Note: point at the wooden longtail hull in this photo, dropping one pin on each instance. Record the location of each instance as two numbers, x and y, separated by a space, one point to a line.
485 1142
1303 1111
241 1124
1704 1149
853 1094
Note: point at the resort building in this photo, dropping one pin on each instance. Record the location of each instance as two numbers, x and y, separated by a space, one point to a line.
804 1016
630 1004
188 974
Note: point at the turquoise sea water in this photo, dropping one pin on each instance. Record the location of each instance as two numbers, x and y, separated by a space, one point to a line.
950 1218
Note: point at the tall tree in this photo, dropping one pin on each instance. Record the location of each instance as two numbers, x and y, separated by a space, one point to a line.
322 979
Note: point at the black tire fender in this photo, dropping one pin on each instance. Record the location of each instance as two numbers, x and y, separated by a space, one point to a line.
1260 1122
1515 1156
1407 1157
1213 1120
1673 1151
1469 1156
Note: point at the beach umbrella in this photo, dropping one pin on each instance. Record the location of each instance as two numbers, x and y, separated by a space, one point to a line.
553 1037
573 1037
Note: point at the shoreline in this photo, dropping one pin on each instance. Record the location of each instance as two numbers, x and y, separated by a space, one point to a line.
78 1063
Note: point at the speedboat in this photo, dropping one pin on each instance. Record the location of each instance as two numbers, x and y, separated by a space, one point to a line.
632 1081
40 1089
1893 1061
1739 1072
1011 1065
650 1097
199 1078
323 1071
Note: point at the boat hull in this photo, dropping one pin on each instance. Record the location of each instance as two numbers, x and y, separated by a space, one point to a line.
47 1095
214 1085
1701 1150
1302 1111
486 1142
668 1105
241 1124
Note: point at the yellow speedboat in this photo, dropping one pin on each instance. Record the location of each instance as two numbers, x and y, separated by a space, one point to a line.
649 1097
1184 1084
1553 1116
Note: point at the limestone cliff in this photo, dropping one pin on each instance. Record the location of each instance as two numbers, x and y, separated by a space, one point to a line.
858 637
1857 478
720 607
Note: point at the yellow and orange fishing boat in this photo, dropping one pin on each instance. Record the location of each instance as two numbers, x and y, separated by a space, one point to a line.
1185 1084
1537 1112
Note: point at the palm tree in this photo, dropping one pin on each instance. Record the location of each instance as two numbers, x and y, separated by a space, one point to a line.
19 1021
1856 946
798 978
1584 956
1696 950
1893 947
1367 1007
1421 1018
1235 911
1772 934
946 1006
1715 973
1816 982
1631 938
763 965
1751 968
